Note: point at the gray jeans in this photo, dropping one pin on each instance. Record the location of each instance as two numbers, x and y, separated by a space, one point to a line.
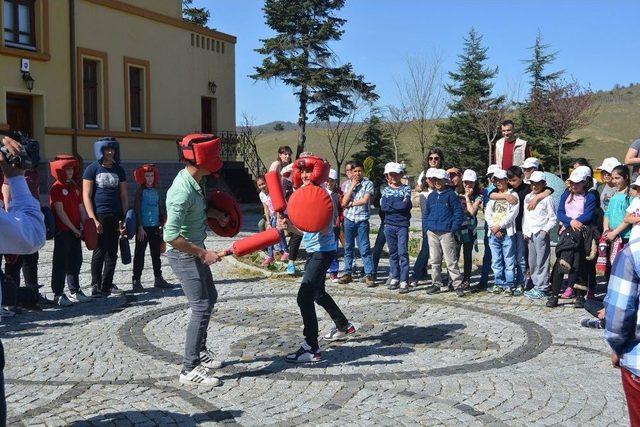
539 252
444 244
197 285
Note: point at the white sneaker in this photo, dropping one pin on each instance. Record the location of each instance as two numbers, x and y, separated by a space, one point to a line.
337 334
208 361
304 355
79 297
62 301
199 376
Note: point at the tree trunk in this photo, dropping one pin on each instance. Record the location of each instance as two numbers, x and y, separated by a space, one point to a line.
339 168
395 149
560 158
490 144
302 121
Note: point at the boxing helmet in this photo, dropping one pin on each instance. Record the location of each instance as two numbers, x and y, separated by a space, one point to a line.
201 150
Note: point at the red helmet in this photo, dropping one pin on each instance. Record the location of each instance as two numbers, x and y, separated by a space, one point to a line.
201 150
140 172
320 169
62 162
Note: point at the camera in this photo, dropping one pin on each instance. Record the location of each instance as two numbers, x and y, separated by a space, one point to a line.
29 154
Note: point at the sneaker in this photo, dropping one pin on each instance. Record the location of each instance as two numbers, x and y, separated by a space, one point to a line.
516 292
62 301
535 294
291 269
431 289
199 376
568 293
207 359
333 277
304 355
337 334
370 282
392 284
346 278
579 302
137 286
78 297
444 288
459 292
413 284
404 287
42 300
592 323
552 302
116 290
496 289
267 261
159 282
285 257
507 292
4 312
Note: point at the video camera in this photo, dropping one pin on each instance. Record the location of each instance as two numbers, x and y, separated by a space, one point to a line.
29 155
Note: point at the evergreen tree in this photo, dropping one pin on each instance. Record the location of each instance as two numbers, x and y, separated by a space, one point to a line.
458 136
536 68
378 146
299 56
197 15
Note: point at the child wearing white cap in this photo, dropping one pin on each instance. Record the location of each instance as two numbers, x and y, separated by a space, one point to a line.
607 189
500 216
633 211
420 266
530 165
471 201
334 194
486 258
536 226
396 205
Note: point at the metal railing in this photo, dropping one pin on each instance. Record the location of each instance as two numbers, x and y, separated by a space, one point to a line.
241 147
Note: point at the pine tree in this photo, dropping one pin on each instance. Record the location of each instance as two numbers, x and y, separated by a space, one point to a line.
299 56
378 146
471 84
197 15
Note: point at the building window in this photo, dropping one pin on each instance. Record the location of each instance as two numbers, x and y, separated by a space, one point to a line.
217 46
222 47
192 39
91 92
19 24
136 89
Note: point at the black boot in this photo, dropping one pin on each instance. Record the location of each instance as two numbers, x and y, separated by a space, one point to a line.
137 285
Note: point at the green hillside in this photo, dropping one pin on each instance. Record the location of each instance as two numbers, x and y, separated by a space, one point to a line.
615 127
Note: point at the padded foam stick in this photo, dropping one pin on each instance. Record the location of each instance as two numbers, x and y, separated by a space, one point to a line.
310 208
276 192
131 224
90 234
125 251
253 243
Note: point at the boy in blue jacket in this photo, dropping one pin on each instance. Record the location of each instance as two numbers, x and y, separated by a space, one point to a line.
442 218
396 205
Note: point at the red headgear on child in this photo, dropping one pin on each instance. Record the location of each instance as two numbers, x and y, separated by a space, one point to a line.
320 169
62 162
139 174
201 150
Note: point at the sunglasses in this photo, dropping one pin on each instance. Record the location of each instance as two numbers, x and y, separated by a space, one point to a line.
434 158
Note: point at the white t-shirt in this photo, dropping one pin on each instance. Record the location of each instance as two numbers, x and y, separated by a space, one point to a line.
634 208
266 199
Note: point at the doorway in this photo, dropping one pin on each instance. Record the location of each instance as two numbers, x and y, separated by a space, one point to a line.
20 113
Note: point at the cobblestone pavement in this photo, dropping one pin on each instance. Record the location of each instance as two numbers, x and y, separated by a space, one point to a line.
417 360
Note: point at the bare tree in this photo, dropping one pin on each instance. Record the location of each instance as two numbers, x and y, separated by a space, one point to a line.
422 95
487 115
395 123
563 108
247 128
343 134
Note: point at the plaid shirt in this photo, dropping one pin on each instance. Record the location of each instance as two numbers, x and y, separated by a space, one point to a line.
621 308
359 213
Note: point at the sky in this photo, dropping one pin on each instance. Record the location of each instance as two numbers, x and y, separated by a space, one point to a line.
597 42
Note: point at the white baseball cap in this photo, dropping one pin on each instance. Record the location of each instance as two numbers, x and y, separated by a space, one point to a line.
492 169
333 174
636 183
537 176
531 162
440 174
580 173
430 172
470 175
393 167
608 164
500 174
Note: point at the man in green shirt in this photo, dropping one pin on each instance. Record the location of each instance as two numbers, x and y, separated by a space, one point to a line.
185 232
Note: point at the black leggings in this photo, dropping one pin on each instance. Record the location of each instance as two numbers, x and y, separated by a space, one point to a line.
154 239
106 254
294 246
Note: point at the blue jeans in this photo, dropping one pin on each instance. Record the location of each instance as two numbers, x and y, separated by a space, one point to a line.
283 241
521 257
420 266
486 258
359 230
381 240
398 243
503 260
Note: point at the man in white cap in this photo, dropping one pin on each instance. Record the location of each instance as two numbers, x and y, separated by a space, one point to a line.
509 149
607 189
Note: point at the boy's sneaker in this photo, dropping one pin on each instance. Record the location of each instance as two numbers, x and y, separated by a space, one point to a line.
159 282
535 294
346 278
370 281
444 288
337 334
267 261
552 302
62 301
496 289
291 269
116 290
579 302
199 376
431 289
516 292
285 256
392 284
42 300
592 323
208 360
78 297
404 287
333 277
137 286
304 355
568 293
460 291
507 292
